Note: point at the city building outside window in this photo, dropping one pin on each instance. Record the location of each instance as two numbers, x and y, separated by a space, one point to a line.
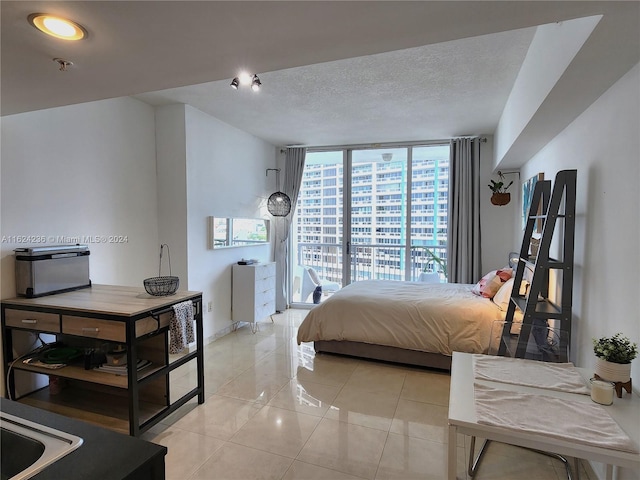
385 238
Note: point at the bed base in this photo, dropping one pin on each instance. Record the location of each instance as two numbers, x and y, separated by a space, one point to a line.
384 353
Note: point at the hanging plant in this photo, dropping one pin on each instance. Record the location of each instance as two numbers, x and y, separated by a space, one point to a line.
500 195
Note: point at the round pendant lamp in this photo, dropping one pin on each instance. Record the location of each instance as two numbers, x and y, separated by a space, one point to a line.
279 203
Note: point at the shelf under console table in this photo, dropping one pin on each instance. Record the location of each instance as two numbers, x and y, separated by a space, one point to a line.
130 403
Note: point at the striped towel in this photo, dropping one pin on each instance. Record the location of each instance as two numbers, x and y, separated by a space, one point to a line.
181 326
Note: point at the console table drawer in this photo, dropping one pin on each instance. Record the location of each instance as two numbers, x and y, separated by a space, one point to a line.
110 330
48 322
149 324
94 328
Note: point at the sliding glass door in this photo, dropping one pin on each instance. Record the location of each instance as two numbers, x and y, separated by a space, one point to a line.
317 229
379 202
369 214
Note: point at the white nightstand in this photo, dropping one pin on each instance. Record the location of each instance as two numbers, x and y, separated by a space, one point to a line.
253 292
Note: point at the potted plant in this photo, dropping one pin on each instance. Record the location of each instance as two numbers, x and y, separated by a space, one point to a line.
613 357
500 195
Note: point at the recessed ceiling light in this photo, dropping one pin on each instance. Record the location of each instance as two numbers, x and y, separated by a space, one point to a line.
57 26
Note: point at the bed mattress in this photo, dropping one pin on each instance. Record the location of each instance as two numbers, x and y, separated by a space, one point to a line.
437 318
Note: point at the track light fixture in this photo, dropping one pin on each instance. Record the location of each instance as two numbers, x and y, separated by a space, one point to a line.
255 83
246 79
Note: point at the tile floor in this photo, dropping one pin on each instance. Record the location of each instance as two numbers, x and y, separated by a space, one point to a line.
275 410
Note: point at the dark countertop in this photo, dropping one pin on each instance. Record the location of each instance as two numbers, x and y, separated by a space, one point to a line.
103 455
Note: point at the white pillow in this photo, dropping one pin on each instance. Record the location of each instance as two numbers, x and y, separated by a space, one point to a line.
502 296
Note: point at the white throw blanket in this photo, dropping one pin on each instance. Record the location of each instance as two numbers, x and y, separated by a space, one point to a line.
562 377
181 326
581 422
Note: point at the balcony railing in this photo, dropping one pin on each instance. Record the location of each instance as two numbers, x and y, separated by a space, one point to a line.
372 261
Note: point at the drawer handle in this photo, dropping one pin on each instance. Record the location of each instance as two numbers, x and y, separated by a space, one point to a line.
30 321
90 329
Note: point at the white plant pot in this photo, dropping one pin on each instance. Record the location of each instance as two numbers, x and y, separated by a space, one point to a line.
613 372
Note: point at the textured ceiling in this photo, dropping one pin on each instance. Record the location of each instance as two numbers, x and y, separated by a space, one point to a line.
430 92
334 72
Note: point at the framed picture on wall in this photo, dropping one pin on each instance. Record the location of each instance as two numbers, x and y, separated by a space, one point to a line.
527 196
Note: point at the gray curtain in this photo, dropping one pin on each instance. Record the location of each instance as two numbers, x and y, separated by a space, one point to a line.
464 262
294 167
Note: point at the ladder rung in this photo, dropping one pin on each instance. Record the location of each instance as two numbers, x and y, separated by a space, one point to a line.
555 264
552 263
539 217
544 308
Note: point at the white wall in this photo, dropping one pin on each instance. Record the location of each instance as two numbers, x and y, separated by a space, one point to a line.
90 170
171 157
225 176
604 146
496 229
83 170
86 170
552 49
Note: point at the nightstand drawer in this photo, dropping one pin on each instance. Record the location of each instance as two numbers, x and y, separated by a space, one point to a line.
264 310
46 322
265 284
265 271
266 296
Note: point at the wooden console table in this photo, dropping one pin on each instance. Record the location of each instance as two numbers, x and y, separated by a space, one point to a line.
462 419
130 403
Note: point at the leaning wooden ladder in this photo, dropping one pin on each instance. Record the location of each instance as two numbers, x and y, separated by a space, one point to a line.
539 312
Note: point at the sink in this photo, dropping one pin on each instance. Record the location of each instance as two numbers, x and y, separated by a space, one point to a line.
27 447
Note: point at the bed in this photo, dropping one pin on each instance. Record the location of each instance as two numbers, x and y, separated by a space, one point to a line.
404 322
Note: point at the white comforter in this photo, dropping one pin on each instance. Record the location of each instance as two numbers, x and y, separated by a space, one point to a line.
438 318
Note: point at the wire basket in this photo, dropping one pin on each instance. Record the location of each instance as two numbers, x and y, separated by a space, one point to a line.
162 286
